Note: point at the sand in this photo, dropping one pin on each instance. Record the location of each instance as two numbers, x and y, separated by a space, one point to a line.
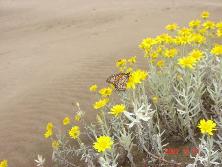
52 50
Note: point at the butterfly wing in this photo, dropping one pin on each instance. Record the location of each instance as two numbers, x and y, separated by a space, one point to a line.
111 79
121 83
119 80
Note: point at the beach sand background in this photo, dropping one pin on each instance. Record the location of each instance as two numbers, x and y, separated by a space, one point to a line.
52 50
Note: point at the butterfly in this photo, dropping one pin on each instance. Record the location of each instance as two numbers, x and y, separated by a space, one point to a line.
119 80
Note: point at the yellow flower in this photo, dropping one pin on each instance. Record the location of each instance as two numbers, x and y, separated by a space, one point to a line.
197 54
93 88
147 44
4 163
48 133
101 103
159 50
55 144
219 25
49 126
217 50
194 23
132 60
77 117
198 38
219 32
185 31
206 127
171 27
160 64
103 143
209 25
117 109
182 40
187 62
105 91
202 31
74 132
66 121
154 55
136 77
155 99
122 69
140 74
170 53
164 38
205 14
49 130
128 70
121 62
131 84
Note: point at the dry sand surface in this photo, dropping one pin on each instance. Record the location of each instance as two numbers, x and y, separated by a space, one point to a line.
52 50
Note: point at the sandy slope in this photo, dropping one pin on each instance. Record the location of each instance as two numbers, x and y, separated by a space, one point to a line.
52 50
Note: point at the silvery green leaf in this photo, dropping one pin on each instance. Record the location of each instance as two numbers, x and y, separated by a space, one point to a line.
40 161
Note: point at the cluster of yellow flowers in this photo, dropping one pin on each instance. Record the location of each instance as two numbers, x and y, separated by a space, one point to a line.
126 65
105 142
116 110
136 77
173 45
74 132
191 59
4 163
49 133
186 46
104 93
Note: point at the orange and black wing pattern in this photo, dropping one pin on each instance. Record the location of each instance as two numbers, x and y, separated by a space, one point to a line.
119 80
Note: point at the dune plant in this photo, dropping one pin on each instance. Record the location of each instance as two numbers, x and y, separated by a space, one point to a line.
178 96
